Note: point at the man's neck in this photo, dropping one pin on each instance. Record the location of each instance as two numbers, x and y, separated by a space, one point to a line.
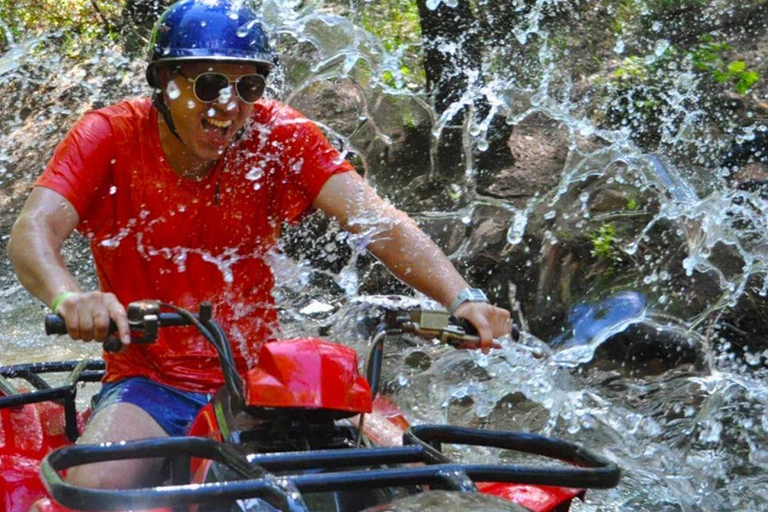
181 160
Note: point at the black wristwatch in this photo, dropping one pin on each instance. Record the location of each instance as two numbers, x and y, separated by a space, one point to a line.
468 295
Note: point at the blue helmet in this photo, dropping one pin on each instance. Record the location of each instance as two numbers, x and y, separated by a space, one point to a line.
217 30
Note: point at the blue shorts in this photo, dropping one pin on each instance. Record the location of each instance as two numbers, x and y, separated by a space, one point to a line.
172 409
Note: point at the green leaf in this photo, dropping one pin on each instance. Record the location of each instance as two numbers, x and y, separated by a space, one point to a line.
746 80
737 66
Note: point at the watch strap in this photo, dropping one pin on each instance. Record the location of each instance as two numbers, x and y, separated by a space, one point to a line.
468 295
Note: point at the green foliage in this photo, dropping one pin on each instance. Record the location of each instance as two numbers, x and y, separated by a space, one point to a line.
709 56
77 20
644 92
637 92
667 6
604 243
396 23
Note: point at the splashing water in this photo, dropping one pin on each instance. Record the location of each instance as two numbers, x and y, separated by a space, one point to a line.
638 201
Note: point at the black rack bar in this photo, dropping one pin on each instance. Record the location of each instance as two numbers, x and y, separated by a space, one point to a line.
79 371
18 370
328 459
596 473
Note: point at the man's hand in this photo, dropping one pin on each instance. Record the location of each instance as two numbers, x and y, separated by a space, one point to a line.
491 322
87 316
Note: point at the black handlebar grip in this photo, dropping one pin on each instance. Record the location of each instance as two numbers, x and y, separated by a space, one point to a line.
515 332
112 345
470 329
465 325
54 324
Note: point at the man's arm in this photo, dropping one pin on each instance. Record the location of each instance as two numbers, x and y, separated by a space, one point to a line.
34 249
406 251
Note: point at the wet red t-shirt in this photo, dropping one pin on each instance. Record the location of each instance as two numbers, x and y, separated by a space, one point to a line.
155 235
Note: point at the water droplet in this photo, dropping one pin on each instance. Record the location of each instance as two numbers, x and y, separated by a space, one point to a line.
244 30
173 90
112 190
255 174
660 47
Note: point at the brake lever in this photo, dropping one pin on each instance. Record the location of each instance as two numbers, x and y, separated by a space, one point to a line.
143 322
440 325
447 328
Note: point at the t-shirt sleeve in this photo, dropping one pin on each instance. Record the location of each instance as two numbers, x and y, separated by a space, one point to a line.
310 161
79 168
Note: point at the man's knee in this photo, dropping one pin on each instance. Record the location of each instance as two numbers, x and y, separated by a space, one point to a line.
116 423
116 475
47 505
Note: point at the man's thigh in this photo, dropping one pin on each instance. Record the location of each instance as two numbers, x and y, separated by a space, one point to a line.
127 410
113 423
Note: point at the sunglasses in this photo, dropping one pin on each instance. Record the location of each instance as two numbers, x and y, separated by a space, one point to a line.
208 86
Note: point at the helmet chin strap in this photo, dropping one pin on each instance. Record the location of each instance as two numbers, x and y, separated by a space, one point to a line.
159 103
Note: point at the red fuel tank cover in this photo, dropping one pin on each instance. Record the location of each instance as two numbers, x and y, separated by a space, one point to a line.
308 373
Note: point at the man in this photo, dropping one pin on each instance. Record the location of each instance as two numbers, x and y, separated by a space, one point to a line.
182 199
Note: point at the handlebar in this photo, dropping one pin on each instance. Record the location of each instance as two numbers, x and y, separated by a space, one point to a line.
144 318
441 325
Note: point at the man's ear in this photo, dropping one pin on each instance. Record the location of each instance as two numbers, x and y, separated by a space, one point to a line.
164 75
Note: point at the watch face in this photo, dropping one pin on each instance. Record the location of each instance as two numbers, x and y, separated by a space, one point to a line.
475 294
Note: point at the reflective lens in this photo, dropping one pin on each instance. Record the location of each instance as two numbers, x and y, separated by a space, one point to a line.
209 87
250 87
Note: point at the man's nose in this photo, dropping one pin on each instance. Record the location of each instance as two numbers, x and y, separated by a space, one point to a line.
229 100
227 95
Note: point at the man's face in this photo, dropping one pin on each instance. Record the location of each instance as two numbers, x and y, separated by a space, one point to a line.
206 128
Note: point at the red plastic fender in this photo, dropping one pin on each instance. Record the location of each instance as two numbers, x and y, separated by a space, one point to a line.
385 427
537 498
48 505
27 434
308 373
205 425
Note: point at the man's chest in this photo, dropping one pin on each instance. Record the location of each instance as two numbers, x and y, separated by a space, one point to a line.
229 212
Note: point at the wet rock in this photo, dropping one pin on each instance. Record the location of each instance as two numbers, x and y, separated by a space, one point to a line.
340 103
448 231
446 501
461 411
488 234
418 360
514 411
651 348
457 366
539 146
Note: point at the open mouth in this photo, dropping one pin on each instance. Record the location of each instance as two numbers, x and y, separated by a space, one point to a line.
216 128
